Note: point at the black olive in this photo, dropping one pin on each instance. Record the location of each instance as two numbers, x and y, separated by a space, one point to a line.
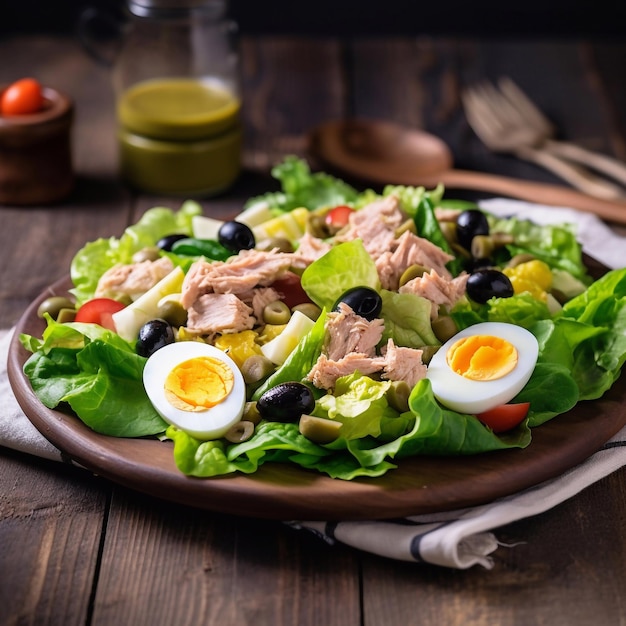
166 243
364 301
487 283
236 236
153 335
469 224
286 402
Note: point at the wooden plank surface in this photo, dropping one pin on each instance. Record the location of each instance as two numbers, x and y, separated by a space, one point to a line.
78 550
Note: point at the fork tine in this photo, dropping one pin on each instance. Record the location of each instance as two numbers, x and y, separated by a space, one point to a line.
524 104
485 110
479 115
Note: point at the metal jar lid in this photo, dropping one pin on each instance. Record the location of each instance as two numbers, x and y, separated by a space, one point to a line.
175 8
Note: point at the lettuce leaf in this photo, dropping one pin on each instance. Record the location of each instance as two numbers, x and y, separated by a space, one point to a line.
359 403
599 340
555 244
407 320
302 188
96 257
97 374
344 266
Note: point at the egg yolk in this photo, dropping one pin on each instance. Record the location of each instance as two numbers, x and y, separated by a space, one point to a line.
482 357
198 384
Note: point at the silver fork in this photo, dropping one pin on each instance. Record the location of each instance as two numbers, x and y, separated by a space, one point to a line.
507 121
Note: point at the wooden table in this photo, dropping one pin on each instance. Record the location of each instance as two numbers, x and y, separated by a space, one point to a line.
77 549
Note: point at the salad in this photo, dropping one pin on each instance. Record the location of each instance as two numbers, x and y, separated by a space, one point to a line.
336 329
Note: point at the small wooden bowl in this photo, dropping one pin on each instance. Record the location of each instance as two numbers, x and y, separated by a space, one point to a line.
35 153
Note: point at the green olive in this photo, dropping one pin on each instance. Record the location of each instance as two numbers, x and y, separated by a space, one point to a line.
239 432
251 413
282 244
448 230
53 305
316 225
66 315
518 259
407 225
276 312
318 429
444 327
256 368
151 253
428 352
411 272
398 395
312 311
173 313
482 246
502 239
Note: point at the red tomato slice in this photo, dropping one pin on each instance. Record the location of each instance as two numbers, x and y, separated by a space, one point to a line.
339 216
99 311
291 289
22 97
504 417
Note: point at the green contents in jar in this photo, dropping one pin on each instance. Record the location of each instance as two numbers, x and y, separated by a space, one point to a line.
180 136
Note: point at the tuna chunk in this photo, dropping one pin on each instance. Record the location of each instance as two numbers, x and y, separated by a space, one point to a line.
440 290
375 224
310 249
325 372
132 280
407 250
403 364
348 332
219 313
350 347
260 298
240 274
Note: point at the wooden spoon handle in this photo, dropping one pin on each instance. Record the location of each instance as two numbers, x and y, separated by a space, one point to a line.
541 193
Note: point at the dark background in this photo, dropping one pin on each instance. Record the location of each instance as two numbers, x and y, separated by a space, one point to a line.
562 18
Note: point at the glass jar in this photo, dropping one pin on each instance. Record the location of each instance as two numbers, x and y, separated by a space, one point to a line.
176 81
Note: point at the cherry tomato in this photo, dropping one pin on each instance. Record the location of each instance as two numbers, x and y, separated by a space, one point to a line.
99 311
504 417
291 289
22 97
339 216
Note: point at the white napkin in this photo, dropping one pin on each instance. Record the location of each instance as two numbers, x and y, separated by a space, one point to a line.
16 430
458 539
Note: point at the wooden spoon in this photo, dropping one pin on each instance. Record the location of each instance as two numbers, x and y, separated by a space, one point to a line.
386 153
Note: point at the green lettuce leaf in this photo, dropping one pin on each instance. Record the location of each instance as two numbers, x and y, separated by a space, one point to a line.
344 266
599 345
539 391
97 374
302 188
98 256
359 403
407 320
521 309
437 431
555 244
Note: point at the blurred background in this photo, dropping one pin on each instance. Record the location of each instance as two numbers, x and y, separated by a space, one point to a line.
590 18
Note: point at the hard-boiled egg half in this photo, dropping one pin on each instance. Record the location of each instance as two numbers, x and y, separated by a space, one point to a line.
483 366
196 387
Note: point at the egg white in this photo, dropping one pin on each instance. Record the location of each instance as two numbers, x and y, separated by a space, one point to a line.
211 423
471 396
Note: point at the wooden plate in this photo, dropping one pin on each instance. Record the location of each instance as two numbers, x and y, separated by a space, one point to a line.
285 492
